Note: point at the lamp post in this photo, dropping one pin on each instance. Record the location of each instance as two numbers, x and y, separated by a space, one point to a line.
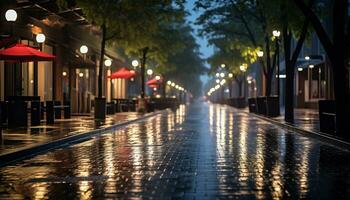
276 35
40 39
243 69
11 17
108 63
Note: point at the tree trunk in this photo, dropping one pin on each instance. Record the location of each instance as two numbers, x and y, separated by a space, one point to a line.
102 53
268 67
143 66
163 87
239 83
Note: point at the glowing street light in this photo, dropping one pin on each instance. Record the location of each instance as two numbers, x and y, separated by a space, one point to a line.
222 74
230 75
243 68
300 69
307 57
157 77
64 73
217 81
217 74
135 63
149 72
84 49
40 38
311 66
276 33
169 82
260 54
11 15
223 65
108 63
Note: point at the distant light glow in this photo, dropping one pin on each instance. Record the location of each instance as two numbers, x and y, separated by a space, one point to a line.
84 49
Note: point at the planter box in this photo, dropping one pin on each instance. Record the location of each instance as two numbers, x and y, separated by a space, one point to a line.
261 105
253 107
327 116
272 106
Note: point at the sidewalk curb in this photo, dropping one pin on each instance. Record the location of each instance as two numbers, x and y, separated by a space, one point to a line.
290 127
12 157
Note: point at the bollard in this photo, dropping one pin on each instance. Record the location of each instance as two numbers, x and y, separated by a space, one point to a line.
66 110
50 114
35 113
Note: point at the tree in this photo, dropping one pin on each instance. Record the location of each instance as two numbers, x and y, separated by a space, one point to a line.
131 24
246 22
337 49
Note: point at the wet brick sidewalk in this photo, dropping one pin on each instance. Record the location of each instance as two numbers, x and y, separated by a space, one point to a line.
202 151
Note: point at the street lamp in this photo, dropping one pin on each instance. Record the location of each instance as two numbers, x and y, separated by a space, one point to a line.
83 49
217 81
168 82
157 77
277 34
307 57
40 38
223 65
135 63
260 54
11 15
149 72
222 74
243 68
230 75
108 63
217 74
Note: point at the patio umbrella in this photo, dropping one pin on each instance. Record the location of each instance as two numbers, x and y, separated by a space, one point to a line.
154 82
122 73
24 53
153 85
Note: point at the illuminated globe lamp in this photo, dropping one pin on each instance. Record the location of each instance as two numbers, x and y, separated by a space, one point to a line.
222 74
260 54
149 72
108 63
169 82
173 84
157 77
84 49
40 38
64 73
276 33
11 15
135 63
230 75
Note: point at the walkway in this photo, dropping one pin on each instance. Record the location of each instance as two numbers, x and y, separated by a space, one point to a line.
13 140
202 151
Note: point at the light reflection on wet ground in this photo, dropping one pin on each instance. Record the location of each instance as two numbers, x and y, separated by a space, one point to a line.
200 152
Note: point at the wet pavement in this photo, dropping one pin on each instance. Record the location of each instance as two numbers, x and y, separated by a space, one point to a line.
12 140
201 151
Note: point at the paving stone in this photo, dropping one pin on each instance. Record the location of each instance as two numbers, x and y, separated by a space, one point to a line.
201 151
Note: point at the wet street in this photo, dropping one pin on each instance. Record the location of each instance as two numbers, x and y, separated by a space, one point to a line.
201 151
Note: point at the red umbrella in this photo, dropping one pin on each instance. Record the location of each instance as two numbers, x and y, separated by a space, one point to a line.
122 73
153 85
154 81
24 53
